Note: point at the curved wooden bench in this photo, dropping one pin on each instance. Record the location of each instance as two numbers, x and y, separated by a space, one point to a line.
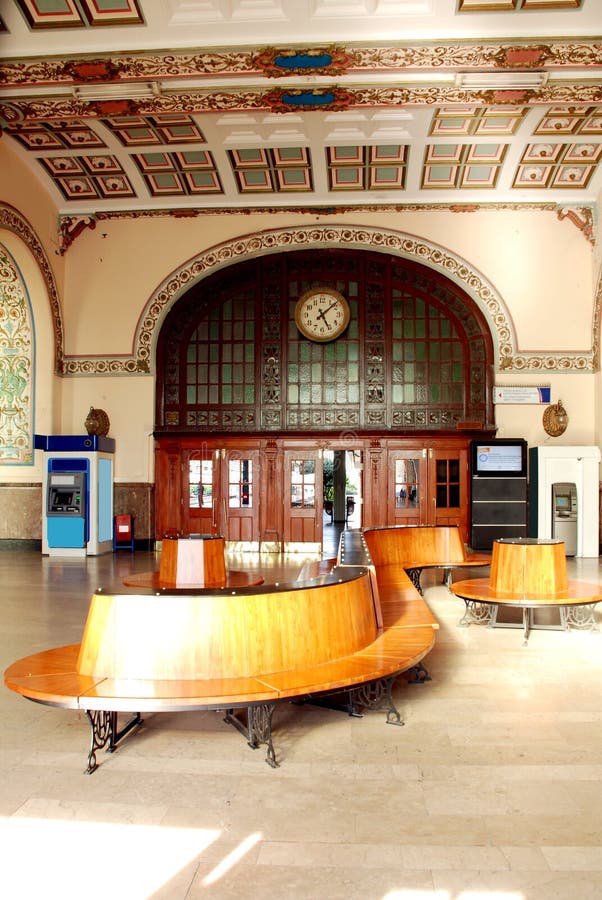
226 649
417 547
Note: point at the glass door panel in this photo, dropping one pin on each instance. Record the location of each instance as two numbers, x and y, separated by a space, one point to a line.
448 488
303 496
241 505
406 486
201 498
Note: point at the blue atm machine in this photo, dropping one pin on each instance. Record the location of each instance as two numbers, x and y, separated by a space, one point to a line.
67 507
78 494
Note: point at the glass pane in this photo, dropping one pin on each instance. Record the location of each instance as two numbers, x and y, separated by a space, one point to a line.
200 483
247 482
406 482
303 483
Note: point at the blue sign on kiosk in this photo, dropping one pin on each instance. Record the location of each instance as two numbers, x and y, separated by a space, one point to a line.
78 494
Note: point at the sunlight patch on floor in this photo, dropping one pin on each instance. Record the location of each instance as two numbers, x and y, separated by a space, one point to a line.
86 858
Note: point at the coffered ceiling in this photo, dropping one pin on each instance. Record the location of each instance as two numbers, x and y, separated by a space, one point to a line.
188 105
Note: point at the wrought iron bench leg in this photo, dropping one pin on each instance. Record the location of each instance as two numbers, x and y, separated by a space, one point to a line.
375 695
104 731
257 729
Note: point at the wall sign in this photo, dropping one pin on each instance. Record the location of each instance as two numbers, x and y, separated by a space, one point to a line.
515 393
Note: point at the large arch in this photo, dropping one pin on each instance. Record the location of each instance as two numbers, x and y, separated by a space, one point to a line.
454 266
17 371
417 354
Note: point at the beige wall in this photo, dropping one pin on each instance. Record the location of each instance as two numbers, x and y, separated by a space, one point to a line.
535 262
129 403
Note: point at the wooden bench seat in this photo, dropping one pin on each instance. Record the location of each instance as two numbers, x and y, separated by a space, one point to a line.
418 547
229 649
339 628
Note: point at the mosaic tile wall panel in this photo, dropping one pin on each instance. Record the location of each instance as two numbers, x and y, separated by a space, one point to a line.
16 362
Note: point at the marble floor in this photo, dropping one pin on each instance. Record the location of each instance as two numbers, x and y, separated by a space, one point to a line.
492 790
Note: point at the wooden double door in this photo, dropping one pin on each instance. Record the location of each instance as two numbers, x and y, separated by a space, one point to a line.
271 491
220 493
428 486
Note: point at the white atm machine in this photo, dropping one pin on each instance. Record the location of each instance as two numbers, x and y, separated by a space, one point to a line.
565 480
565 515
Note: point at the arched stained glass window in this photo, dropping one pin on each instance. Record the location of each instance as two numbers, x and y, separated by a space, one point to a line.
417 353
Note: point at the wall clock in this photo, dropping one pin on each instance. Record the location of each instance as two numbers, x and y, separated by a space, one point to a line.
322 314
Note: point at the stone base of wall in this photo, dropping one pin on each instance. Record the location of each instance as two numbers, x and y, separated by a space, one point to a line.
12 544
21 512
138 500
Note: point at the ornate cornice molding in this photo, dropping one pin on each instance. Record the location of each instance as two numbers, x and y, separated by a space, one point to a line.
580 216
12 220
284 239
71 226
273 62
279 100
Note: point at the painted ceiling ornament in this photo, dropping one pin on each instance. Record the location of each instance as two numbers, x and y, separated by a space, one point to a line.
529 56
89 71
581 217
504 95
10 115
277 63
71 227
308 99
112 108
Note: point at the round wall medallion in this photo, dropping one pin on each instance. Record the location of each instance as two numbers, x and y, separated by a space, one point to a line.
97 422
555 419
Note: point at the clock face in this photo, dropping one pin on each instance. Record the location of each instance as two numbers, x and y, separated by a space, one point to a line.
322 314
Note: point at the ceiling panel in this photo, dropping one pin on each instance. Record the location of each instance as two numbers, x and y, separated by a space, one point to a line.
375 103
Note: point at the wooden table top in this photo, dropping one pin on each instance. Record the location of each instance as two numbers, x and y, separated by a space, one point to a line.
153 581
479 589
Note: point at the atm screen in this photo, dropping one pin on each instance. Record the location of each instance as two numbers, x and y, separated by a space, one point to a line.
563 501
63 498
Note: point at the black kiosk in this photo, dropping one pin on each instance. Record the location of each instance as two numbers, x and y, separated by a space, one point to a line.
498 499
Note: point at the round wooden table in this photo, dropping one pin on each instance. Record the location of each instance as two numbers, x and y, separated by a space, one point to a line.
530 574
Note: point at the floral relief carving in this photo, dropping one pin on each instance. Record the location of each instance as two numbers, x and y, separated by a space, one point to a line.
430 55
